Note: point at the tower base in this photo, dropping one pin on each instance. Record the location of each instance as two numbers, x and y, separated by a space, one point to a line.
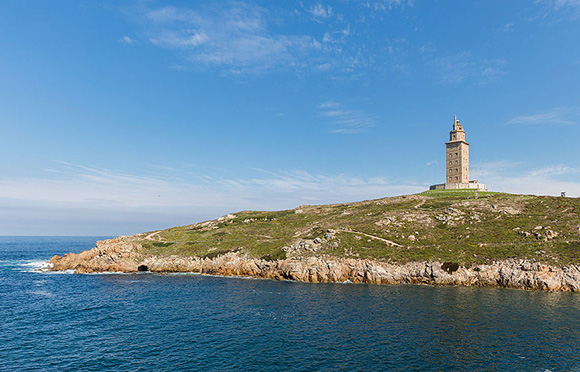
472 185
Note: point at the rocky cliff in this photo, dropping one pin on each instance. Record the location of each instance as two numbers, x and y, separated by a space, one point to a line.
126 254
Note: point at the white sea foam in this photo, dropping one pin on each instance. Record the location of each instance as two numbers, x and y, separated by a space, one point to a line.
57 272
181 273
27 265
35 266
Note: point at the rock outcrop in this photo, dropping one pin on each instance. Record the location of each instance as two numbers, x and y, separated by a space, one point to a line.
125 255
114 255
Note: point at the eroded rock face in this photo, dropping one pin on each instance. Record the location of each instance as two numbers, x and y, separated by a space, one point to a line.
114 255
124 255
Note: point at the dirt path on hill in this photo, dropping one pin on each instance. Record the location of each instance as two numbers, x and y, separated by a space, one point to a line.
150 236
420 204
391 243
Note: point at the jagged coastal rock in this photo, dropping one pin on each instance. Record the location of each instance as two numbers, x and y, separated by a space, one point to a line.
125 254
471 238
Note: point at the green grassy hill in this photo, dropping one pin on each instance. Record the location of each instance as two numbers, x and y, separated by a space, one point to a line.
459 226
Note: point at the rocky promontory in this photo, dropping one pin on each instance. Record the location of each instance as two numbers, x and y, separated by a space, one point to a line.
471 239
123 255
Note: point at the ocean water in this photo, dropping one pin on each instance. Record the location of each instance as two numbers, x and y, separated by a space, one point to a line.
149 322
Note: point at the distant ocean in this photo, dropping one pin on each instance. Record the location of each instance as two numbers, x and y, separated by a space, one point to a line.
147 322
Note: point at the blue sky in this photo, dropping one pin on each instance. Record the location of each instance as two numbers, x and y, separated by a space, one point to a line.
121 117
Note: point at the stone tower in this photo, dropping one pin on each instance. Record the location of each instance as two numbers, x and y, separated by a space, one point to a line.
457 162
457 158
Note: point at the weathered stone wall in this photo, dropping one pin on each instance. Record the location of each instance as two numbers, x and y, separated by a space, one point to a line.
457 160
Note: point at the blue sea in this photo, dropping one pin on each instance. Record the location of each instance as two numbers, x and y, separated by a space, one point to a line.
188 322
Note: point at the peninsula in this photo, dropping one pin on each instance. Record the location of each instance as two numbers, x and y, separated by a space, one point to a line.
438 237
457 233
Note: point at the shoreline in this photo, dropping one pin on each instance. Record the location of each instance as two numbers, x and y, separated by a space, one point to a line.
123 255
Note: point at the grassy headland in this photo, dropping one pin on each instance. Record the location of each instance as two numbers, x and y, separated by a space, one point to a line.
463 227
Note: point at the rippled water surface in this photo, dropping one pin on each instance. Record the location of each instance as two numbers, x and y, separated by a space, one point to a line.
146 322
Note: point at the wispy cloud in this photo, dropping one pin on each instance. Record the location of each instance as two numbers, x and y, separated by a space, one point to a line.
384 6
427 49
507 27
129 203
127 40
336 37
328 105
553 11
486 170
554 170
556 116
237 37
346 121
508 177
464 67
559 4
244 38
320 11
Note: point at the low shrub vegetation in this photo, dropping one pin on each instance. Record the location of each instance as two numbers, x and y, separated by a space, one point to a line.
460 227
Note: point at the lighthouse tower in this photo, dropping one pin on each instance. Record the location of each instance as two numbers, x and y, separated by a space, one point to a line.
457 162
457 158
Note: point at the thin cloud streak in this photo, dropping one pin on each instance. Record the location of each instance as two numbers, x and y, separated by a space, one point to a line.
508 27
127 40
556 116
346 121
117 199
463 67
